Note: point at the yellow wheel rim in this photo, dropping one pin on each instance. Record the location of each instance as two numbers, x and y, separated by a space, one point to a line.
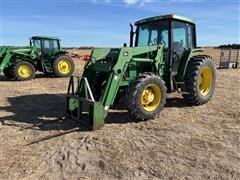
24 71
151 97
205 81
64 66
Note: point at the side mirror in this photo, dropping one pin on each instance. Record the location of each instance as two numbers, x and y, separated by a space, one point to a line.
124 44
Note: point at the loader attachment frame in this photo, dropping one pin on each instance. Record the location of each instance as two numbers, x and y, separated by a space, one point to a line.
95 114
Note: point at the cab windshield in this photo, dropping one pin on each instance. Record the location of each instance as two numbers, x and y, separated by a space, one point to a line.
37 43
153 33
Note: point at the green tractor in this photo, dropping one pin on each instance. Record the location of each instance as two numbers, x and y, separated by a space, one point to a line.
44 54
159 60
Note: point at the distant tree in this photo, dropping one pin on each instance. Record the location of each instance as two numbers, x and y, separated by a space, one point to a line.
233 46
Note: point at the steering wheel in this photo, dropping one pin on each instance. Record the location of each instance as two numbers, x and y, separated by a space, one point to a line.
163 43
154 42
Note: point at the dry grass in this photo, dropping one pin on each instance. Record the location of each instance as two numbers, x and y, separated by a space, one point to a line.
184 142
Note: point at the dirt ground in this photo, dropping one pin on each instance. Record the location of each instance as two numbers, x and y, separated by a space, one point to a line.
183 143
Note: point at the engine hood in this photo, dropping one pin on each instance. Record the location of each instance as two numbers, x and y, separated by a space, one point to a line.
103 53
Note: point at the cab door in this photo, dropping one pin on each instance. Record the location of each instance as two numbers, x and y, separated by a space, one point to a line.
179 44
182 40
47 49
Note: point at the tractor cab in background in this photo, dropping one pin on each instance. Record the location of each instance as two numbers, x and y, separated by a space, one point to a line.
44 54
46 46
49 48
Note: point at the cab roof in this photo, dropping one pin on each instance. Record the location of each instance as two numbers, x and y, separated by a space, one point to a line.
45 37
163 17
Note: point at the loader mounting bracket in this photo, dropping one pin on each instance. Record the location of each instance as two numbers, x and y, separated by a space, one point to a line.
84 108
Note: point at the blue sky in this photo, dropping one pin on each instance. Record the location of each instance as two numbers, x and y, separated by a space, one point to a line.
105 23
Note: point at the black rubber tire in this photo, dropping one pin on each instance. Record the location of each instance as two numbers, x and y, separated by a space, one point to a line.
134 93
15 71
55 66
193 73
8 72
97 85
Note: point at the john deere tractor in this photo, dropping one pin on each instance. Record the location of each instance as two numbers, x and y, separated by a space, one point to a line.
44 54
160 59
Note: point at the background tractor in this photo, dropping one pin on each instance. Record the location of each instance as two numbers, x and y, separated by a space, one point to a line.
44 54
159 60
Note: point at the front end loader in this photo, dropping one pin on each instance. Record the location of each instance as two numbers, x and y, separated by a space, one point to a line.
162 60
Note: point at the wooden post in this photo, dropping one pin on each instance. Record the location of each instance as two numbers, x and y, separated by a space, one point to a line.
229 57
237 61
220 64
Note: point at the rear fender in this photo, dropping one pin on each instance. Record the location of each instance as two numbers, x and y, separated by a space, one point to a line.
184 62
58 53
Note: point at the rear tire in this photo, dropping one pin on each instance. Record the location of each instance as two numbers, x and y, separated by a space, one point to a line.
200 80
63 66
23 71
146 96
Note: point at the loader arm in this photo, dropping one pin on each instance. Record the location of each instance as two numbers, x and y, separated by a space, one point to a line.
126 57
115 68
5 57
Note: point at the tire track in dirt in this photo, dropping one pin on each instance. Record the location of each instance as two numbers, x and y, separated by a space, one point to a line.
76 159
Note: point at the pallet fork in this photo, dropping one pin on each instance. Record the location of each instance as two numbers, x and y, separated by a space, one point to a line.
84 108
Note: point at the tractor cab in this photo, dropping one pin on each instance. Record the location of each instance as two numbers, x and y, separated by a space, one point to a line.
46 46
52 59
175 33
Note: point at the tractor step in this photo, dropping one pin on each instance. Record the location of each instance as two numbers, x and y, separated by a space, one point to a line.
47 67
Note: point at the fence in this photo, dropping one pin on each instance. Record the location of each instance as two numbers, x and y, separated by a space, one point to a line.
229 58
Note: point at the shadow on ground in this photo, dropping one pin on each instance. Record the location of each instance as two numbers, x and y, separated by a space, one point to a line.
46 111
178 102
38 76
38 110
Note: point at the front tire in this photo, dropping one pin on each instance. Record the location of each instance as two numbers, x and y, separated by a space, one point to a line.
200 80
146 96
98 84
23 71
63 66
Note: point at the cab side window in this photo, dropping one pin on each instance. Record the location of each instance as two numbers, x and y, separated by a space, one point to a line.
190 36
179 36
179 43
46 44
46 48
37 44
55 45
